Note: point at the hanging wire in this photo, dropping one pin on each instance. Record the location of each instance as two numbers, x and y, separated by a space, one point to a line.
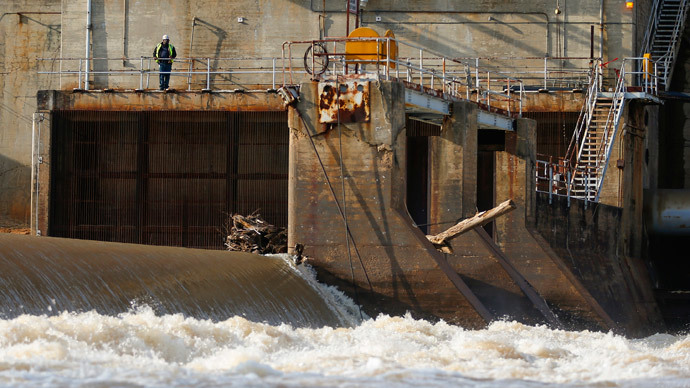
342 183
337 203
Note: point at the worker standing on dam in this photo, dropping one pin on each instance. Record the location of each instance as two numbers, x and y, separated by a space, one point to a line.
164 54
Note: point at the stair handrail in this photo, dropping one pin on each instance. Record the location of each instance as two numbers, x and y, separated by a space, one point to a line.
603 153
583 121
651 27
671 51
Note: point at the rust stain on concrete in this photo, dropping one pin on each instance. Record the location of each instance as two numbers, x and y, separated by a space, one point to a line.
346 102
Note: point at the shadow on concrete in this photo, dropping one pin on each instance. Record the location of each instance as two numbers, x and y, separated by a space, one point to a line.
15 193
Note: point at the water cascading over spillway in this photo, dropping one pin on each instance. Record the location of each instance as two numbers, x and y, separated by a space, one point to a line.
46 276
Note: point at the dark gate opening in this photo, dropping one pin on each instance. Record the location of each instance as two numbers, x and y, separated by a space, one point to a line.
488 143
165 177
554 132
418 134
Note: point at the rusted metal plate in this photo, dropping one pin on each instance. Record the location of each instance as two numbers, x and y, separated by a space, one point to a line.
344 102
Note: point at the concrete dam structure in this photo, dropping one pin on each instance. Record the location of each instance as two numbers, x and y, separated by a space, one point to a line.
363 146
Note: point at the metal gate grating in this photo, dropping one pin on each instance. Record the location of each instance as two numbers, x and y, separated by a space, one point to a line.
165 177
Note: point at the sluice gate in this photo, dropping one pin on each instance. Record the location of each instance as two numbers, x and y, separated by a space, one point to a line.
165 177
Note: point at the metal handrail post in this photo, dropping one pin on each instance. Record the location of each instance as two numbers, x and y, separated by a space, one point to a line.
488 90
208 73
421 66
80 65
141 73
509 104
568 185
388 60
148 73
273 75
444 76
545 72
586 187
522 95
468 80
476 75
550 183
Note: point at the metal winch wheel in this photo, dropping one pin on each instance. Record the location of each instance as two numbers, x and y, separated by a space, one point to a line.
316 59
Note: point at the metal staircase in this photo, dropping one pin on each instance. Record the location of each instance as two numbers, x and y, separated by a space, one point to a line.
590 147
664 30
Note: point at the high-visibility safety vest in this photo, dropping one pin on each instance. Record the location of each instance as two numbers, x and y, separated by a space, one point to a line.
170 50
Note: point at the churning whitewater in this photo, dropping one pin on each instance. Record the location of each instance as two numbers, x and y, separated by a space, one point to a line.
139 348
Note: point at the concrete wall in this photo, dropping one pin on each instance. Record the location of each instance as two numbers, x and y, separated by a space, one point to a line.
386 263
23 39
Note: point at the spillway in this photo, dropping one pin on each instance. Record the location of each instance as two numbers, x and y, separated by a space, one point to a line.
47 276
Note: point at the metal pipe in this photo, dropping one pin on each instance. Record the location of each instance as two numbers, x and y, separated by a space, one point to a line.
191 62
88 43
34 176
124 32
141 74
208 73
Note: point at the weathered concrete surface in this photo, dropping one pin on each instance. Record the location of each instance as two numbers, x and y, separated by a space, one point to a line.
453 196
453 169
209 29
553 102
589 242
398 271
528 251
23 39
40 177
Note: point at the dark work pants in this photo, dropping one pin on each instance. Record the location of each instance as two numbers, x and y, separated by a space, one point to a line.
164 77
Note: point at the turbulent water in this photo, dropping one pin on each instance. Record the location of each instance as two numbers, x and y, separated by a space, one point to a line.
149 348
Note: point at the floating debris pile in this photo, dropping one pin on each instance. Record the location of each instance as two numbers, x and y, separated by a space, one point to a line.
252 234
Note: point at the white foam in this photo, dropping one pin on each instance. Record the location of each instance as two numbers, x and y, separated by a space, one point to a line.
343 306
140 348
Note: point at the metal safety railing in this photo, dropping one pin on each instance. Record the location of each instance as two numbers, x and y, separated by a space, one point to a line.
554 176
200 73
663 34
426 71
589 152
495 82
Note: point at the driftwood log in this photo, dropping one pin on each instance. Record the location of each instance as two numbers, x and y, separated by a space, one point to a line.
441 240
253 234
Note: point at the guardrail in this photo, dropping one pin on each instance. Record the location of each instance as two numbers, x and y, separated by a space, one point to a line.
495 75
554 176
428 71
200 73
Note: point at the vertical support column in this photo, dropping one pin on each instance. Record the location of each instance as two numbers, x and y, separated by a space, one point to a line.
453 168
527 250
40 173
389 266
